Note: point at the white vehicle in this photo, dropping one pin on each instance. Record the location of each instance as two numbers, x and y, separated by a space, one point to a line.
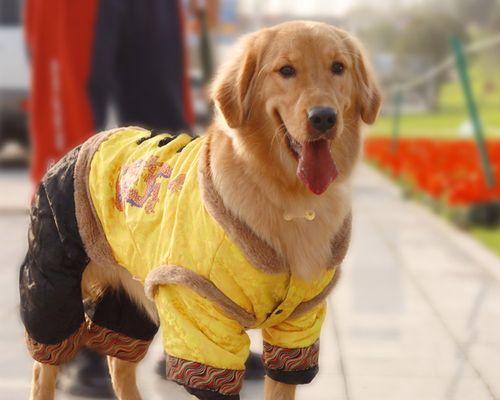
14 76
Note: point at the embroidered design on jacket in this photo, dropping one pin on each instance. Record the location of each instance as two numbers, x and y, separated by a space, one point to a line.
175 185
130 178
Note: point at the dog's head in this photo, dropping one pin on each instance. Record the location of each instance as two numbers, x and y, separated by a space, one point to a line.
294 96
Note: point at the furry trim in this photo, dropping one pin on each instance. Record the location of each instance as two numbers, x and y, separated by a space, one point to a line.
116 344
91 231
306 306
340 242
59 353
258 252
172 274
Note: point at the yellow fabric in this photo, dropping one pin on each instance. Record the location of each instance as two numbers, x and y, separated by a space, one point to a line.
298 332
148 201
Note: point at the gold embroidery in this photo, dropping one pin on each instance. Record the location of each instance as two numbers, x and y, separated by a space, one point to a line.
150 172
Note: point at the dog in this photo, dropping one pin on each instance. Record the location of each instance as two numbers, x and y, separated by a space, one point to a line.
244 227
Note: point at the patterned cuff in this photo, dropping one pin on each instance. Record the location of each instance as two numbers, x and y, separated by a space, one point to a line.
58 353
291 366
115 344
203 381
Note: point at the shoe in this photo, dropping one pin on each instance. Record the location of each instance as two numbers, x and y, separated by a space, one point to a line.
254 369
161 368
86 376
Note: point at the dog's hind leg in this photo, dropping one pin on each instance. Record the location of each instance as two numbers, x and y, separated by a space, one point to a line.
119 328
44 381
123 376
50 279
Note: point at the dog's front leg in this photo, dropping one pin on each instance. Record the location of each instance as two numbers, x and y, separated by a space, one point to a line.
44 381
274 390
123 377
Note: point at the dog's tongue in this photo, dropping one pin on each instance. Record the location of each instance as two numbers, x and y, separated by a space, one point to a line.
316 167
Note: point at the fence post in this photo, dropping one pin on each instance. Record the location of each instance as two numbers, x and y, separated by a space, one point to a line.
205 47
461 64
397 101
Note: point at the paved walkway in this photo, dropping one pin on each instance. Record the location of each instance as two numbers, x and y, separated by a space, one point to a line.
416 315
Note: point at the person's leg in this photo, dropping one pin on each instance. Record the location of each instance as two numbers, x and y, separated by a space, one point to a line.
151 68
102 79
60 38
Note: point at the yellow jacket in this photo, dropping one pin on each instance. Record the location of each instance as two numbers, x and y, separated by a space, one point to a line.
151 198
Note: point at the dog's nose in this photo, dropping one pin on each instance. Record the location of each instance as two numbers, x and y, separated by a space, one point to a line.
322 118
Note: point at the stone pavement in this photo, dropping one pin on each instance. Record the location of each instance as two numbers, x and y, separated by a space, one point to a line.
416 315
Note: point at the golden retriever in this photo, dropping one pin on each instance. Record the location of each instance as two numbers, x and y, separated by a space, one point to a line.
283 145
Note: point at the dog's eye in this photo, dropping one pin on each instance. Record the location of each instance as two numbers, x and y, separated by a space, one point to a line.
287 71
338 68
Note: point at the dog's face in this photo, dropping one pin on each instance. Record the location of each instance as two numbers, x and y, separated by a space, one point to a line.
300 87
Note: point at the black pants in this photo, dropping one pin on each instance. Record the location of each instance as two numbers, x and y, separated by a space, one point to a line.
138 62
52 309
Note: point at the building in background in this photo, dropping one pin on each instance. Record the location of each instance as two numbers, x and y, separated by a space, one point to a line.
14 74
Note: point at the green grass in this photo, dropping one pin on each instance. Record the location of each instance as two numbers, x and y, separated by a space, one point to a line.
452 113
490 237
444 124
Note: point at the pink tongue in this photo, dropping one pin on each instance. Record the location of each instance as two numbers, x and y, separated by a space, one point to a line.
316 167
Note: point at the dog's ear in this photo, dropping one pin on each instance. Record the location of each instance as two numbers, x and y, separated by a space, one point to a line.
369 98
231 86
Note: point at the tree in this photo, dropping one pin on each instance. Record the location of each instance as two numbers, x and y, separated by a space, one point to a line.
424 41
476 12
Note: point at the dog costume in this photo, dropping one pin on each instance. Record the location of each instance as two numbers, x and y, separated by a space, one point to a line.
146 202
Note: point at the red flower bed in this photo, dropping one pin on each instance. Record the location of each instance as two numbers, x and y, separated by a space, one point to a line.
446 169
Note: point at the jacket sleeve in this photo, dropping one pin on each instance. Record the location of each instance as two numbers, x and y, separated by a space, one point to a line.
206 349
291 349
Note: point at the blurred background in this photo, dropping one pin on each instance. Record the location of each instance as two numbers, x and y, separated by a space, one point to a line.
417 314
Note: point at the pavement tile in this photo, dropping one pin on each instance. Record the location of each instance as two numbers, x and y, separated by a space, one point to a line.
402 388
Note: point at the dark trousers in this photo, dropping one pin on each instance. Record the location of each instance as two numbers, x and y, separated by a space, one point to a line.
139 63
90 55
